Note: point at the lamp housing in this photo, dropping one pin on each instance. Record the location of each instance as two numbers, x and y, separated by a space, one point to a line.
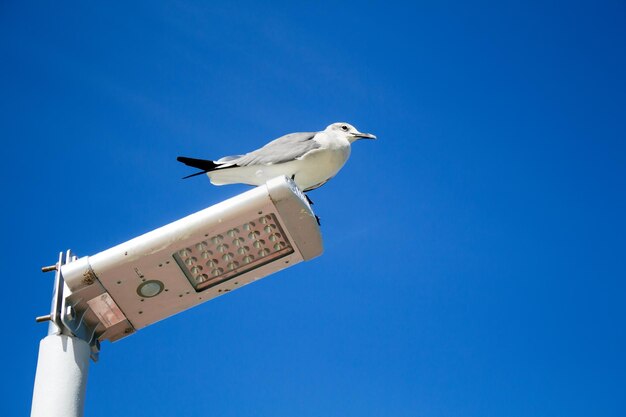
190 261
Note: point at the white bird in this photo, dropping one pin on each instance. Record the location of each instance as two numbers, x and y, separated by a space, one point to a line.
310 159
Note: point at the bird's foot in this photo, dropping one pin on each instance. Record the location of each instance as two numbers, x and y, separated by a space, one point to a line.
308 199
318 220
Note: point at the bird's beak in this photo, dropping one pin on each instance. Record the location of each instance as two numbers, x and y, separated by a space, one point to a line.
364 135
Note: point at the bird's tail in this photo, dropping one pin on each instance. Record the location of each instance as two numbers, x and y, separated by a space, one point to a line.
204 164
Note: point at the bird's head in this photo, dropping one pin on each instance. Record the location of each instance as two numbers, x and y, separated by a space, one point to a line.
348 131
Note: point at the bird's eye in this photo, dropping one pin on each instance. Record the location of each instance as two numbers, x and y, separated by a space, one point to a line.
344 128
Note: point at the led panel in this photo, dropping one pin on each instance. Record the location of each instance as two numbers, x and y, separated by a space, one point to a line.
233 252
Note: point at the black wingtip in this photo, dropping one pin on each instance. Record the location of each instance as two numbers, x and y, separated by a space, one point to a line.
204 164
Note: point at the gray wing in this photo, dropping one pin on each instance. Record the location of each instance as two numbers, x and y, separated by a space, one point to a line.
283 149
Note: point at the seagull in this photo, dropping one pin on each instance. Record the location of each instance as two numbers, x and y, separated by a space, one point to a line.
310 159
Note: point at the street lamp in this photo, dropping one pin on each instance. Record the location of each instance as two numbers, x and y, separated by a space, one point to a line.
110 295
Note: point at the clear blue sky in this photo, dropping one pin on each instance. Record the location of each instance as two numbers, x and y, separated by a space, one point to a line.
475 255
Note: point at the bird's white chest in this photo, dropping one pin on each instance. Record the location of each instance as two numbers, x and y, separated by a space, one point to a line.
327 158
318 166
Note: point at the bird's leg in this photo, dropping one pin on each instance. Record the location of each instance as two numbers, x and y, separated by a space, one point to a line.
308 200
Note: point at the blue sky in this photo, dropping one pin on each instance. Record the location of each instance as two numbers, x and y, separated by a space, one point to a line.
475 258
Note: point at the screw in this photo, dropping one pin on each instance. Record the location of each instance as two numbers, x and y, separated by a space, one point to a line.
49 268
41 319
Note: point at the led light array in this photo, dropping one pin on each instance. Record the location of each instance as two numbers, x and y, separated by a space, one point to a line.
236 251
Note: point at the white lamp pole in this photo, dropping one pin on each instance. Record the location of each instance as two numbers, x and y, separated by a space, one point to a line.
61 378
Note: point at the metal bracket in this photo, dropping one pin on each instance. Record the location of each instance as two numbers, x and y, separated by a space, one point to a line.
64 317
56 325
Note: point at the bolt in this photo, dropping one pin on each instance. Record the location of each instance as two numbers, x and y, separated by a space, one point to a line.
41 319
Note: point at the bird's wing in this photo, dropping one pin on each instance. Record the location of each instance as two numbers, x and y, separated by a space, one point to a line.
283 149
